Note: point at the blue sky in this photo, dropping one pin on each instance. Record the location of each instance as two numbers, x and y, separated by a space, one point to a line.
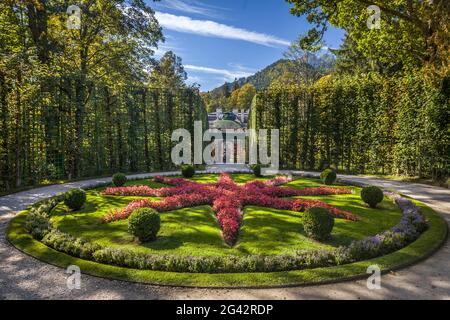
220 40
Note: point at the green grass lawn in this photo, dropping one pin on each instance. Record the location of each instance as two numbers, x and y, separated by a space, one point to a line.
195 231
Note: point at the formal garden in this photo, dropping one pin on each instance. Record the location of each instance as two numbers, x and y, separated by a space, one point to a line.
228 230
353 115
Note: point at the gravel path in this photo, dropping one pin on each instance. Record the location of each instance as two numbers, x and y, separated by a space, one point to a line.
23 277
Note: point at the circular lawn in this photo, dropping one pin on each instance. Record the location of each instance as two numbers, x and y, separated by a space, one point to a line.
198 245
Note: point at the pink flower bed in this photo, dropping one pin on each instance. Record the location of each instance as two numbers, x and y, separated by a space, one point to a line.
144 191
226 197
277 181
229 216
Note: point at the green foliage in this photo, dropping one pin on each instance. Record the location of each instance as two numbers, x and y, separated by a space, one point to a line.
372 195
87 92
242 97
215 264
328 176
411 33
326 123
168 73
38 224
318 223
73 246
187 170
144 224
256 170
119 179
75 198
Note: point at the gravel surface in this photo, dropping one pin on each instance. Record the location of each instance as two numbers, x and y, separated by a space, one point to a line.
23 277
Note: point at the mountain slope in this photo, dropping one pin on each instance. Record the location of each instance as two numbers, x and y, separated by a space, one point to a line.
259 80
262 79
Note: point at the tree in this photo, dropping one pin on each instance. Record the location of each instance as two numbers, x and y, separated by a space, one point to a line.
305 63
115 35
168 73
286 79
225 90
413 32
245 96
350 59
235 84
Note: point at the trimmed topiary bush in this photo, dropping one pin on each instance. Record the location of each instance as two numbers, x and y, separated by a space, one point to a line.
187 170
318 223
328 176
119 179
372 196
144 224
75 199
256 170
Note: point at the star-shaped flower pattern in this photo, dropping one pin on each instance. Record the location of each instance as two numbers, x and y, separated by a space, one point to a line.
226 198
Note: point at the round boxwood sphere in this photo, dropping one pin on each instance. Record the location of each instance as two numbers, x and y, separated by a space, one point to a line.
318 223
187 171
256 170
119 179
144 224
328 176
372 196
75 199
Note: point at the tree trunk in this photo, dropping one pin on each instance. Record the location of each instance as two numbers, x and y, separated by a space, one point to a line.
144 115
38 25
158 131
18 139
109 135
5 170
79 113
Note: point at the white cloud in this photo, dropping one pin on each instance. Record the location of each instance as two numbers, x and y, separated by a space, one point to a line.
163 48
191 6
194 79
213 29
229 75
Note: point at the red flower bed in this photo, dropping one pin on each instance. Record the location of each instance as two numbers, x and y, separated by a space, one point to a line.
226 197
124 213
277 181
144 191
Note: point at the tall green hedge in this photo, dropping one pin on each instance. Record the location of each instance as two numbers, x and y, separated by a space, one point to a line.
363 124
126 129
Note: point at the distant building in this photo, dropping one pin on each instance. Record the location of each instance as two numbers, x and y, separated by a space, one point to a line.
221 120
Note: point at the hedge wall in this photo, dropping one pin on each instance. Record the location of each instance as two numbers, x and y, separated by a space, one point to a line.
48 134
363 124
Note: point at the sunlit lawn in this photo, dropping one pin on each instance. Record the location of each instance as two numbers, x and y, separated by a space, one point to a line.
195 231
